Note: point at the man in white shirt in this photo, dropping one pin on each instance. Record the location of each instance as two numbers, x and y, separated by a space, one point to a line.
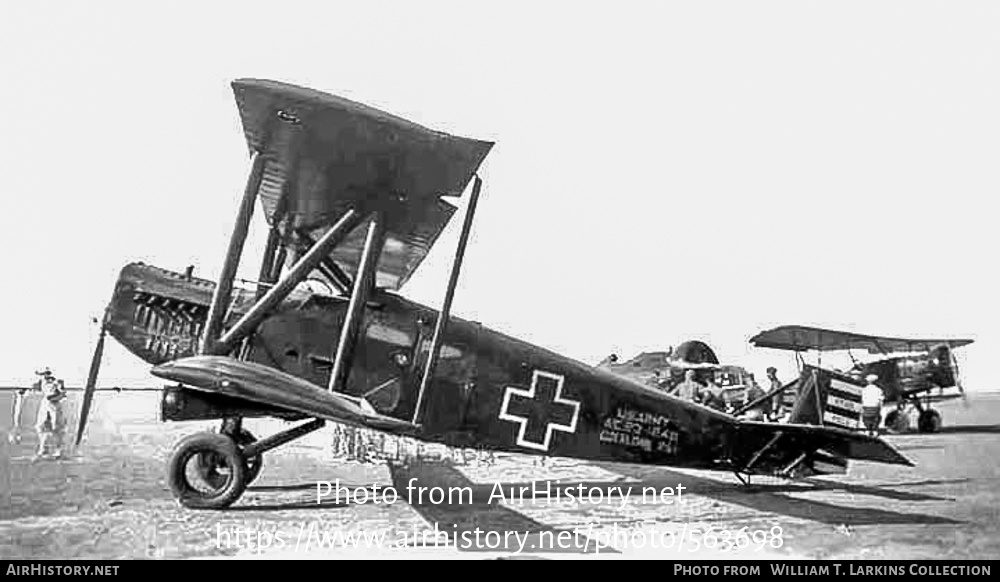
871 405
689 389
51 421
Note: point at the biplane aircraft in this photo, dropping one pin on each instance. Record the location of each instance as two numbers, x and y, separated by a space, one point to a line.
354 199
913 373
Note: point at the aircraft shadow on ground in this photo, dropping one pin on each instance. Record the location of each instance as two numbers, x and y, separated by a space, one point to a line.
466 515
478 513
769 498
920 448
311 505
966 429
885 491
311 498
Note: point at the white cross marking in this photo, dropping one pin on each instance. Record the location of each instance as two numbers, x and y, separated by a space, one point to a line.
523 421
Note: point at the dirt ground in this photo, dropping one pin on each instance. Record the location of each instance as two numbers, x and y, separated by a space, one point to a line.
110 500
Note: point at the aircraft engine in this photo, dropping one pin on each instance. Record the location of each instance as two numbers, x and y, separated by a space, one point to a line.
695 352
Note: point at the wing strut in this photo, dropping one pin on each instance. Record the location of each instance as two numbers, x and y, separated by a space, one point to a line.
224 290
276 294
264 277
88 391
445 314
363 283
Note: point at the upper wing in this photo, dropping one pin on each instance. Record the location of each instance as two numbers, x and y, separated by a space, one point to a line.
800 338
324 154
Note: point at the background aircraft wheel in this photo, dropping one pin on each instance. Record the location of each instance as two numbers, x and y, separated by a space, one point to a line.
219 471
929 421
896 422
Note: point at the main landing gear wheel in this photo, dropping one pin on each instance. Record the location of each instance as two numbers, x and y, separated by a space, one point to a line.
227 477
929 421
212 474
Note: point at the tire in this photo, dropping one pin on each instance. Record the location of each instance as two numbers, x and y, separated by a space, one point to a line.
213 451
929 421
896 422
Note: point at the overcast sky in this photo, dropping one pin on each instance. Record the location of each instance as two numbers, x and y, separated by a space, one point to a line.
663 171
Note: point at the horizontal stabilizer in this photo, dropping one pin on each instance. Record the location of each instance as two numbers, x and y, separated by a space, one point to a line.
269 386
807 438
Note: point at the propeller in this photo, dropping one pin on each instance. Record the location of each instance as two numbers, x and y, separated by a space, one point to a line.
88 391
958 378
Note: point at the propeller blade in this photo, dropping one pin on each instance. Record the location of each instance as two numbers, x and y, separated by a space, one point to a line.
88 391
958 379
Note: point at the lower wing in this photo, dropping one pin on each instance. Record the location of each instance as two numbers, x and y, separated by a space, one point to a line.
265 385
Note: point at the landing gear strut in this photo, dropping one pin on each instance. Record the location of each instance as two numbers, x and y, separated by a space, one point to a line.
211 470
212 473
928 419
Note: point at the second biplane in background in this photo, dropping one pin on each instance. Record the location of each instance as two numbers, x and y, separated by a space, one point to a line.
913 373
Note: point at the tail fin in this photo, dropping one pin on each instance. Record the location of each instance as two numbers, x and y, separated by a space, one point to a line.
827 398
821 434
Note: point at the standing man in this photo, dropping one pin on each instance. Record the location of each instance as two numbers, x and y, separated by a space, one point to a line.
773 386
689 389
871 405
763 410
712 395
51 421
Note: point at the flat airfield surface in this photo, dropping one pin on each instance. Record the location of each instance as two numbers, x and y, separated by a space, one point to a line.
110 500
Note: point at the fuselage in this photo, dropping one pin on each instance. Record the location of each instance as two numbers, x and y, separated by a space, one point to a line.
913 375
488 390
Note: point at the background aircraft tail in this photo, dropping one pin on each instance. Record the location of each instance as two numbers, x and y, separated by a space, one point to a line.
821 434
827 398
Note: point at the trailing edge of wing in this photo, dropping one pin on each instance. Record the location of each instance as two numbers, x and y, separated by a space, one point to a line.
802 338
324 154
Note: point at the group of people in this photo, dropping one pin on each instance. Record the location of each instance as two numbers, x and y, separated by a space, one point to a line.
776 408
50 422
706 391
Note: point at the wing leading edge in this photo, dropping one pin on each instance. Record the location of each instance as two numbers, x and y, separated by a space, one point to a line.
324 154
265 385
801 338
